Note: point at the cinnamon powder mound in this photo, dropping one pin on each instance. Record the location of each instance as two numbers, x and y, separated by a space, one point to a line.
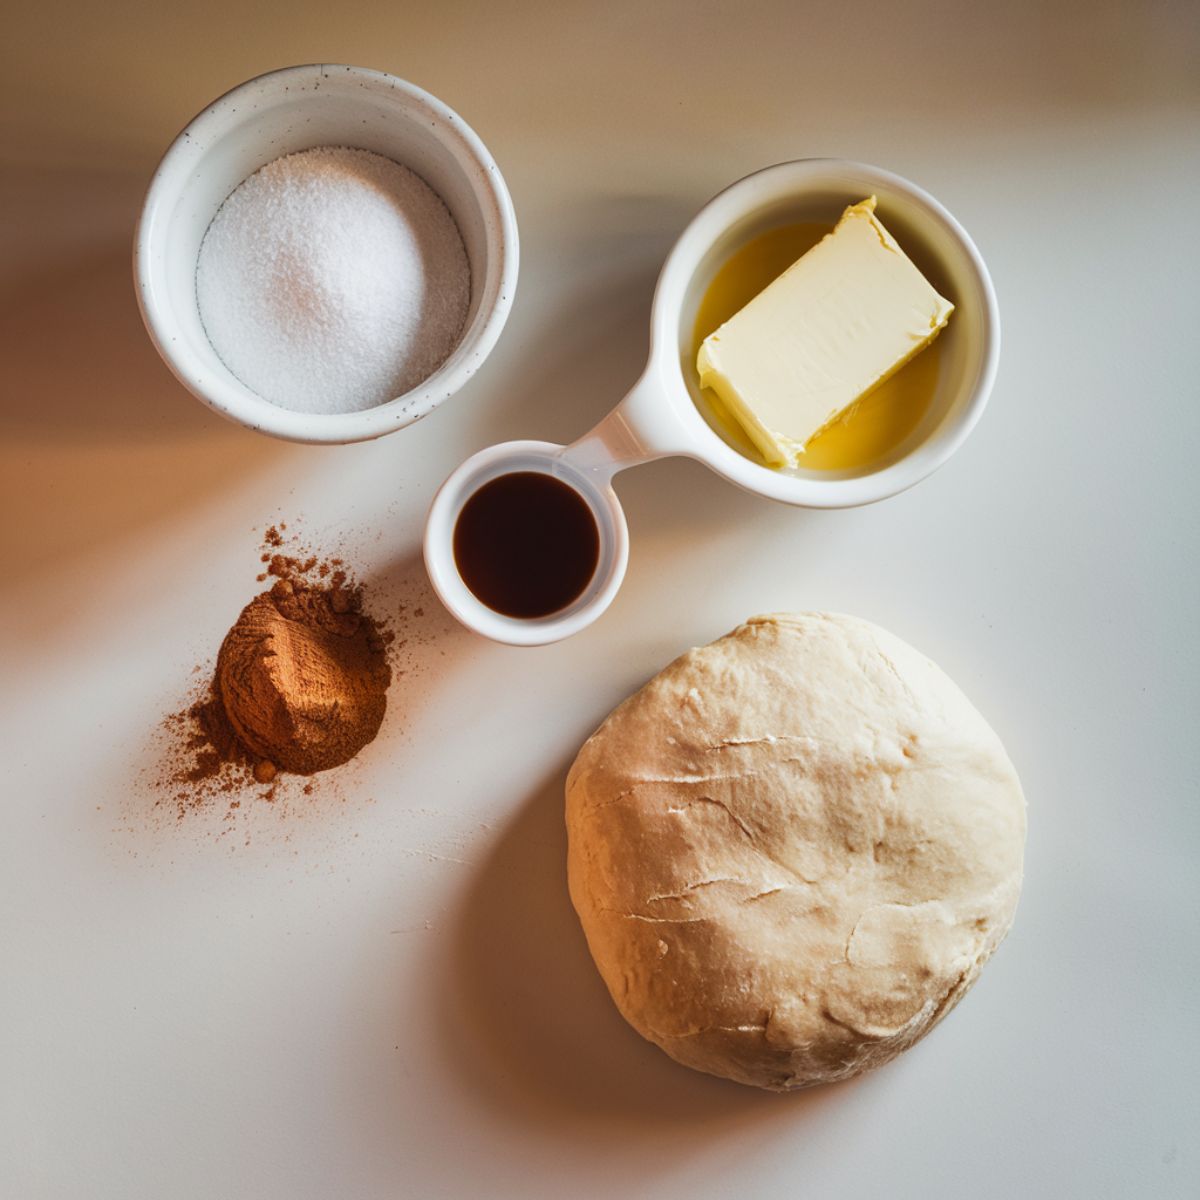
300 687
303 677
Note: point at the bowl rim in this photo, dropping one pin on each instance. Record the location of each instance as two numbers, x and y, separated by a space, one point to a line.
229 397
700 441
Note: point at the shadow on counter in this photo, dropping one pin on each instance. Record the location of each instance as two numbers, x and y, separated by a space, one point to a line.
98 442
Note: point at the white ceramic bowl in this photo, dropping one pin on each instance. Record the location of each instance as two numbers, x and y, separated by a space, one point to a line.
611 562
296 109
666 413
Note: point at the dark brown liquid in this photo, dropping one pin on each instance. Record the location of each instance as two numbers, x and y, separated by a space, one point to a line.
526 544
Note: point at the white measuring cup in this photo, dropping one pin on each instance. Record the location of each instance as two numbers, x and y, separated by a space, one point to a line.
666 413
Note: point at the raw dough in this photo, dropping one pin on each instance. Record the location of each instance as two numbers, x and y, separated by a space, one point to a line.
793 850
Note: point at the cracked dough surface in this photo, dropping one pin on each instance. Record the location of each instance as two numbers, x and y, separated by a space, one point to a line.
793 850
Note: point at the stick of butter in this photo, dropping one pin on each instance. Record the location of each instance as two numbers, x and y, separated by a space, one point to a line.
834 325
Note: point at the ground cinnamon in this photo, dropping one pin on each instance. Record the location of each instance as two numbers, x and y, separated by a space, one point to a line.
300 686
303 678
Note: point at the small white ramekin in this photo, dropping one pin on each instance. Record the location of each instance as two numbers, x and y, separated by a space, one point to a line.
295 109
613 536
666 413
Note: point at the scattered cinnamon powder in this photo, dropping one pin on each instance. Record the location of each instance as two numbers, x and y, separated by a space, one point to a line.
300 686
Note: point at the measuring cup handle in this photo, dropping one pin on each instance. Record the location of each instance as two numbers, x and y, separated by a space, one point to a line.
641 428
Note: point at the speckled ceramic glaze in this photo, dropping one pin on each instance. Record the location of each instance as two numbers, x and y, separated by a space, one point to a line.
281 113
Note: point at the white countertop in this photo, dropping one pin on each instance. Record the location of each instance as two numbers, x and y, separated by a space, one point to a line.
383 991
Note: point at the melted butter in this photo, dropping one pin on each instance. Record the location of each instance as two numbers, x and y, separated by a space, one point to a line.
874 426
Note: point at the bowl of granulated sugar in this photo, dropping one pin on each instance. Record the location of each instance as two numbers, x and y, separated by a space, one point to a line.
325 254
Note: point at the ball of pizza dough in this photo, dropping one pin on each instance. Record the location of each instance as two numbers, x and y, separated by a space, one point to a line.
793 850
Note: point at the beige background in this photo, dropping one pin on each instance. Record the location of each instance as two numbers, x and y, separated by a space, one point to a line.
384 993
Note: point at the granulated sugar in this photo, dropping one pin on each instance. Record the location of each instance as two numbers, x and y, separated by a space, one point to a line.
333 280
